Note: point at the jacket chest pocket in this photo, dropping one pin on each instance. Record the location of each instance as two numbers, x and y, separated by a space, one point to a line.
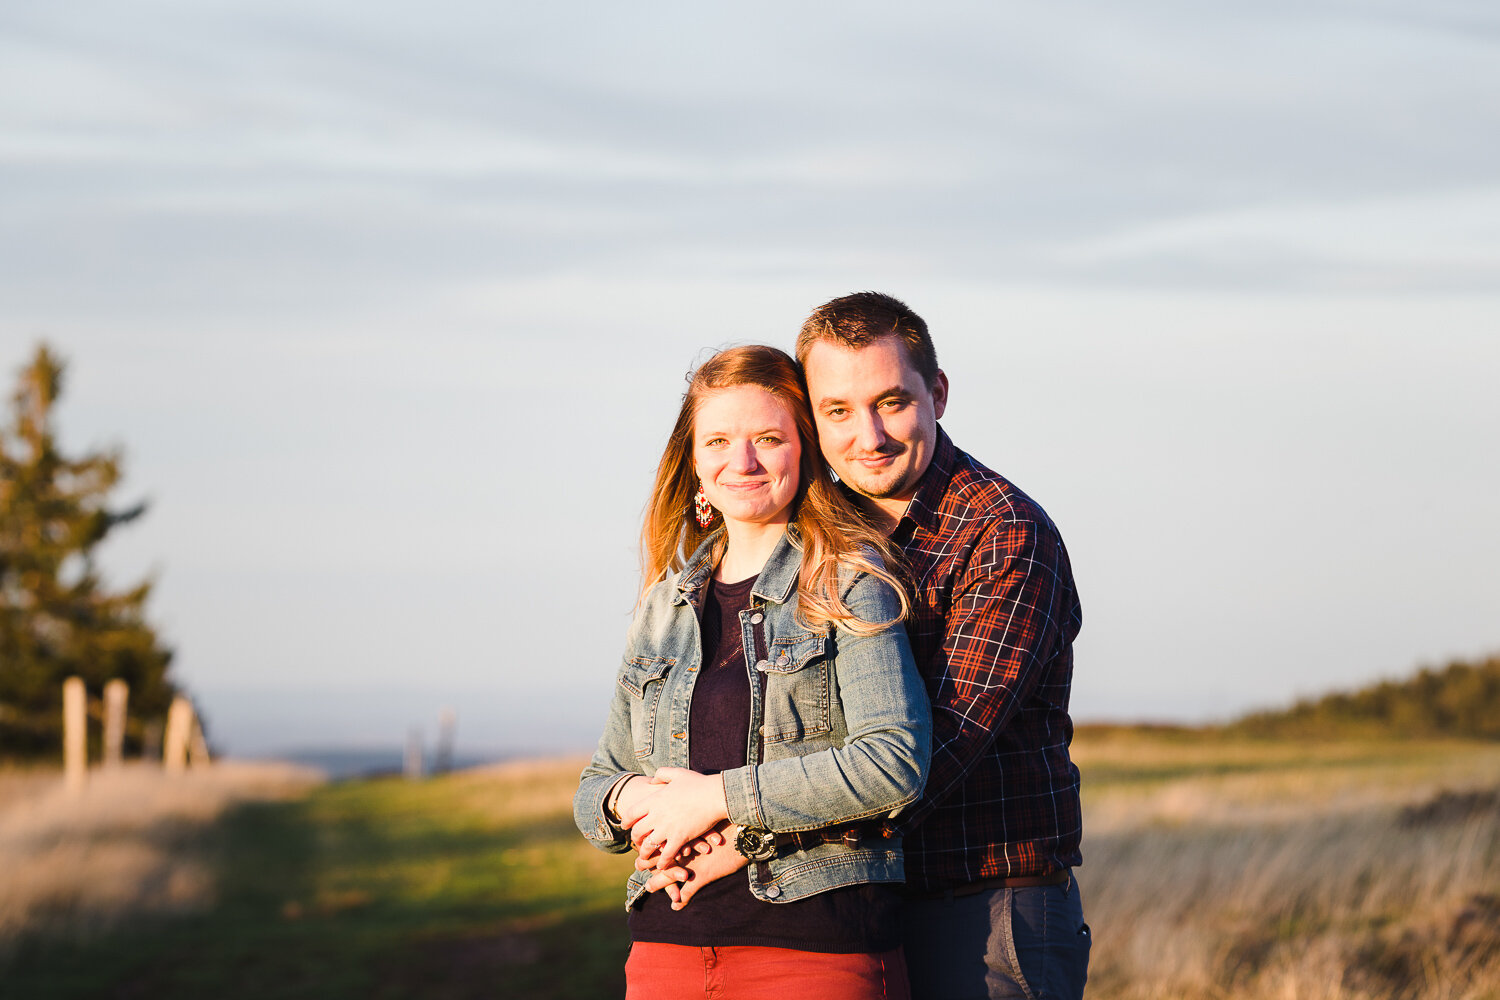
645 678
799 689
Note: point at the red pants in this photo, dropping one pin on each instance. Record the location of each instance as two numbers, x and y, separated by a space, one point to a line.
679 972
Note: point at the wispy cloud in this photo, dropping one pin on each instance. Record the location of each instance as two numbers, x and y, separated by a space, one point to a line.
353 278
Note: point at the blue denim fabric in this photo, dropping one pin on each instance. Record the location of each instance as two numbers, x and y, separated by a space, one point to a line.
842 733
1018 944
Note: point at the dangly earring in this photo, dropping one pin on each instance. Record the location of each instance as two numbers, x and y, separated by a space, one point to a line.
703 513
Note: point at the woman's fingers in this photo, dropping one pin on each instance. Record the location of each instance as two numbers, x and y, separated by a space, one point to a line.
643 836
672 848
635 811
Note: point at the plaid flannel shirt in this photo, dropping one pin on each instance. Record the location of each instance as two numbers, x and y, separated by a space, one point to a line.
994 616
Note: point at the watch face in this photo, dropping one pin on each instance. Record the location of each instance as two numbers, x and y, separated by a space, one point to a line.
757 845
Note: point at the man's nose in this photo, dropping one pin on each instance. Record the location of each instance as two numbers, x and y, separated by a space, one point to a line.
870 437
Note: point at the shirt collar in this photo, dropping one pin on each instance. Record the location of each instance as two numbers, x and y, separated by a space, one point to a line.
933 486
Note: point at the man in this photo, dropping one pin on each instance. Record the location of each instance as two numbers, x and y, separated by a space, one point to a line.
992 908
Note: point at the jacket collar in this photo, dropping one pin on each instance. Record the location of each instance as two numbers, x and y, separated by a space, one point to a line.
776 580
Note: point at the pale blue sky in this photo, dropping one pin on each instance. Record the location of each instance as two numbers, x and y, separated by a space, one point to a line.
391 305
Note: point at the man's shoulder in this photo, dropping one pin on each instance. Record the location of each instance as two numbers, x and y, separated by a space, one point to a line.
977 493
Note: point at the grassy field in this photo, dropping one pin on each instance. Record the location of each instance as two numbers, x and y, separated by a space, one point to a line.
471 885
1213 869
1291 870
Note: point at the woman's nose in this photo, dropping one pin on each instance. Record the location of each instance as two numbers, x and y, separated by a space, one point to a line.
743 460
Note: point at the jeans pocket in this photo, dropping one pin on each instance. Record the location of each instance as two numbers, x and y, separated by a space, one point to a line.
1051 942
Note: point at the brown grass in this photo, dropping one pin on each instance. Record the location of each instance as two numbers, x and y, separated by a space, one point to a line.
130 842
1333 872
1215 868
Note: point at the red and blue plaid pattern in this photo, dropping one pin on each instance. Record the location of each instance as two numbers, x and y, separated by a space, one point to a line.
994 616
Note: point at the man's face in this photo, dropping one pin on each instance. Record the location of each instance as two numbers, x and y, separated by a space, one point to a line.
877 418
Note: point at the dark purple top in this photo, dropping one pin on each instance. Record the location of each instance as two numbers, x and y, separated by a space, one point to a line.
846 920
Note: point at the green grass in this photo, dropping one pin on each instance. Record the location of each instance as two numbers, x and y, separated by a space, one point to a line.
1215 866
465 886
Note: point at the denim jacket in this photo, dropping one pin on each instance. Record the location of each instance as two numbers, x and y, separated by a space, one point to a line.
840 730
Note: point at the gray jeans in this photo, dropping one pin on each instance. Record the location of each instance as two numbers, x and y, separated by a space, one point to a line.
1030 944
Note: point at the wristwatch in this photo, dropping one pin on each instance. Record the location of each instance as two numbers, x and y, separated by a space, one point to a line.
755 844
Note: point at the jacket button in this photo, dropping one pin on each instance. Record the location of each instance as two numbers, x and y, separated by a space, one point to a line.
763 665
773 891
757 618
783 660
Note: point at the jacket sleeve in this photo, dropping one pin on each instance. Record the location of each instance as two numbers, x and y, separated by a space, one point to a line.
613 757
883 763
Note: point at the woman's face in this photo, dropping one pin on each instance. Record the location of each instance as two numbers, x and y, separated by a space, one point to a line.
746 452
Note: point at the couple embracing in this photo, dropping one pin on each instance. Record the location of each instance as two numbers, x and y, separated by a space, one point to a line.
839 737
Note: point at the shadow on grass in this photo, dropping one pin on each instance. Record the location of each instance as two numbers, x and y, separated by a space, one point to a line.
565 959
333 897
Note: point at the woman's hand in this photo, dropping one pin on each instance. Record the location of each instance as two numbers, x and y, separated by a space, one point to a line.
683 806
635 788
708 860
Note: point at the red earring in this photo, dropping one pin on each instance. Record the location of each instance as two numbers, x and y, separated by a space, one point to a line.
702 511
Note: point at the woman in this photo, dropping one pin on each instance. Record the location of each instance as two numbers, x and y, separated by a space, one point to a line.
767 698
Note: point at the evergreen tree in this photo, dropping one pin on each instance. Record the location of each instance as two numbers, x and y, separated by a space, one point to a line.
57 617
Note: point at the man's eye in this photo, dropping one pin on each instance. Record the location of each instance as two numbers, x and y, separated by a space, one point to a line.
768 439
893 404
835 412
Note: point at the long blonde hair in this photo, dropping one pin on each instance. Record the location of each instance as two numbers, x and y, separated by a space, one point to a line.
825 525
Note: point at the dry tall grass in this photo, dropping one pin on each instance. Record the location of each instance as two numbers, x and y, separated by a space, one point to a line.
1258 871
131 842
1214 869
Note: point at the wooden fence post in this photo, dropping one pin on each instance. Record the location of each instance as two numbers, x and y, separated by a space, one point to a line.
116 695
179 732
413 762
75 734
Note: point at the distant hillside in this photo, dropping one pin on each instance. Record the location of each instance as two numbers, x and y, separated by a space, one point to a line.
1460 700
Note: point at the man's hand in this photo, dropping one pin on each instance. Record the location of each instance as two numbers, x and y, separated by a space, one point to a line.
683 806
708 860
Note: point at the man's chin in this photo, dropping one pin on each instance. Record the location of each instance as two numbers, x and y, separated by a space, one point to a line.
876 487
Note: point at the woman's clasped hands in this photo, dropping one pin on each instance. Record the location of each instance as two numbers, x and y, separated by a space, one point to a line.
677 822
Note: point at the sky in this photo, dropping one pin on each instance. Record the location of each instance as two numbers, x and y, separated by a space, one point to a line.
390 307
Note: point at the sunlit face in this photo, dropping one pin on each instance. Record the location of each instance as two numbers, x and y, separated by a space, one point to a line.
877 417
746 451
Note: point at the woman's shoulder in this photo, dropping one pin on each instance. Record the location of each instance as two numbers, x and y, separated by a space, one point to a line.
860 566
660 596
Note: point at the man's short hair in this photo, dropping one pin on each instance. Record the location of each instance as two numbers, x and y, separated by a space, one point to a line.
857 320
